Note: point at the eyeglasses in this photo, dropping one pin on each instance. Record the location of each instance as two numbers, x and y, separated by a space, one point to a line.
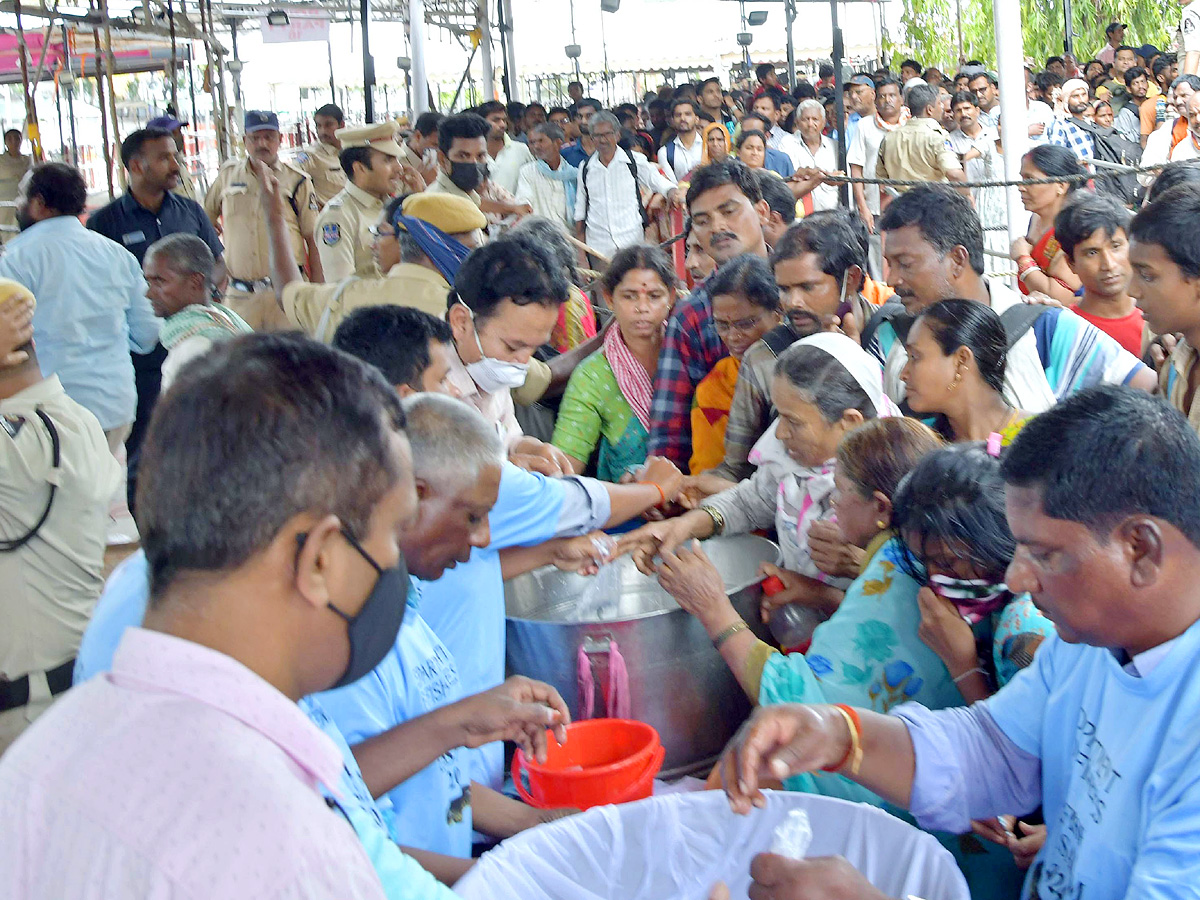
742 326
380 231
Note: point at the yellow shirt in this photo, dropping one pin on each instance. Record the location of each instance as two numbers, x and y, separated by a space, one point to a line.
233 200
49 587
318 309
1173 381
916 151
343 238
322 163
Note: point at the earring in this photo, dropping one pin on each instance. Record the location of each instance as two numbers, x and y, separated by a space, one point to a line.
954 383
880 524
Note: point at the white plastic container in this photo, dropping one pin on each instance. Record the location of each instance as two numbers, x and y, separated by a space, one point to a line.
679 845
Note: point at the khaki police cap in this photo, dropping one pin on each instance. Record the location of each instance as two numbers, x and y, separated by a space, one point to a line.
380 136
453 215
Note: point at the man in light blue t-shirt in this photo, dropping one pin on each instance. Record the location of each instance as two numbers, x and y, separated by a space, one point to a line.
1104 504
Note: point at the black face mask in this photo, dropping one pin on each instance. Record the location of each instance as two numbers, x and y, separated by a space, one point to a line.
468 176
373 630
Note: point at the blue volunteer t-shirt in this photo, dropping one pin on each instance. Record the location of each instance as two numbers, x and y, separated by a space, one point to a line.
432 809
465 607
1120 769
123 604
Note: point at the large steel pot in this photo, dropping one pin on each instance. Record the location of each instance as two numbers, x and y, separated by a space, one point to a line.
677 682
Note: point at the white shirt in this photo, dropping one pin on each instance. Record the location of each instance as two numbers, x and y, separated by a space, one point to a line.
547 196
1157 150
507 165
785 143
824 196
609 202
1037 112
1185 149
1189 28
685 159
864 151
990 119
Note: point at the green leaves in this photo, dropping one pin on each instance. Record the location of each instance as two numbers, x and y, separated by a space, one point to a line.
932 35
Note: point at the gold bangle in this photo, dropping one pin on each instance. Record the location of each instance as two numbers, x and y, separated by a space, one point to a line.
729 632
854 757
718 518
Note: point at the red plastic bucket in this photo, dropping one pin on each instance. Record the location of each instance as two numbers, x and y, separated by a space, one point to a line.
603 761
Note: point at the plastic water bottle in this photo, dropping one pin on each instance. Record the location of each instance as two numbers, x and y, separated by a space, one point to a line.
792 625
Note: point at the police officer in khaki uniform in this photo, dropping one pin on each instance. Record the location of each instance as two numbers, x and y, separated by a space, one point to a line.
233 200
13 166
371 158
320 159
56 478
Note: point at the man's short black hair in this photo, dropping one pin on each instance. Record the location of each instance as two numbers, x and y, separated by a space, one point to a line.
427 123
1172 175
1162 62
728 171
513 268
838 238
1051 60
981 72
964 97
588 101
773 94
920 97
1084 214
393 339
491 106
804 91
777 194
682 101
762 70
15 131
825 70
913 64
136 140
464 125
351 155
534 105
1134 72
945 218
656 104
331 111
571 84
1132 50
277 425
1170 222
1150 464
60 187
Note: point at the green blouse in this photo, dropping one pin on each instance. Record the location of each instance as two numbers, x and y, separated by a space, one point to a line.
594 411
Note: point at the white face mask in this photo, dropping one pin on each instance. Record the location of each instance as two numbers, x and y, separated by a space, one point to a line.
491 374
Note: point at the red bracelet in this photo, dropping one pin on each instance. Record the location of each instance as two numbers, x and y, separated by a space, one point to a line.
662 495
854 752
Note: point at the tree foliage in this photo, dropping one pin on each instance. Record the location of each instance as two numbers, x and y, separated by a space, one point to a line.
928 29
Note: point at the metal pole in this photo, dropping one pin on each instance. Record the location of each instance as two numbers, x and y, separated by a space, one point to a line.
416 52
1068 29
364 8
110 64
70 94
332 85
103 113
237 75
745 47
789 13
484 23
839 100
607 74
510 52
31 122
62 140
573 40
174 59
958 23
1011 71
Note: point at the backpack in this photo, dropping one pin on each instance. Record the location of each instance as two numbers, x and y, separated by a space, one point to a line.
1017 320
1111 147
637 191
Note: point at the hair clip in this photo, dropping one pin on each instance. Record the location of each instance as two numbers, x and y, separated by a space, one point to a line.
994 442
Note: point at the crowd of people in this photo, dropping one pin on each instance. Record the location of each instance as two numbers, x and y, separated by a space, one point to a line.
346 396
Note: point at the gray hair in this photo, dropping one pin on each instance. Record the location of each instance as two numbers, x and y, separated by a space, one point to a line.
550 130
188 255
410 250
920 97
605 117
451 441
553 237
810 104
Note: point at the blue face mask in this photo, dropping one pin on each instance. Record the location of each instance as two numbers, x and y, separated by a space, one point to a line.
374 628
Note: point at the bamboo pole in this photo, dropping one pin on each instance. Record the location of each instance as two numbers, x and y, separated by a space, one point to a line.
108 166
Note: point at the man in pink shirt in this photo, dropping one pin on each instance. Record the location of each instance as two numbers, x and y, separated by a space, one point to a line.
275 480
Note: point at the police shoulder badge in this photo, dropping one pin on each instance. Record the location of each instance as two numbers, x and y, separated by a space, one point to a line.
331 233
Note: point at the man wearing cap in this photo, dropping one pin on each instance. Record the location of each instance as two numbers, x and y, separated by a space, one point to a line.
13 166
418 244
233 201
320 159
370 158
56 477
186 185
1115 35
